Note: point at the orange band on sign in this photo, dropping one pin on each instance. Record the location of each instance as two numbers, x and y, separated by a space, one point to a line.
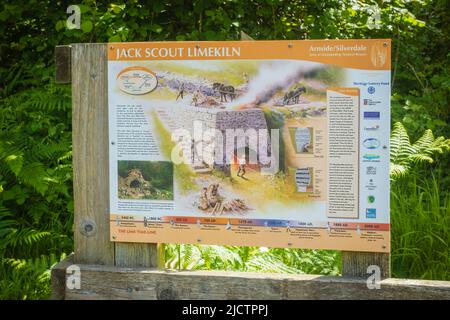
135 69
372 54
347 91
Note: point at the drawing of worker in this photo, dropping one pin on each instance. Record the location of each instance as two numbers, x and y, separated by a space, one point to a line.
180 92
197 98
241 169
306 148
245 76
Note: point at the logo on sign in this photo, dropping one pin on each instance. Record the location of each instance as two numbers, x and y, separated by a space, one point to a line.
137 80
371 89
370 185
371 170
372 128
371 115
371 213
371 143
379 54
370 156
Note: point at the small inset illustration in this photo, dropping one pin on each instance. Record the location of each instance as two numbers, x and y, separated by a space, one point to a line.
303 139
304 179
145 180
137 80
213 203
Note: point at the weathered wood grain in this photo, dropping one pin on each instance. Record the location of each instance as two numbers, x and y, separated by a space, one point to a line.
108 282
91 163
139 255
90 154
63 64
355 264
58 278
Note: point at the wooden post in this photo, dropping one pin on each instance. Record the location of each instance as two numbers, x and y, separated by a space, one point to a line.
89 72
62 64
355 264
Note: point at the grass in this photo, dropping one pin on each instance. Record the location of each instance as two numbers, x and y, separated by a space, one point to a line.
420 222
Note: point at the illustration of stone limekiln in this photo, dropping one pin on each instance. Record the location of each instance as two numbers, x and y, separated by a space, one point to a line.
223 120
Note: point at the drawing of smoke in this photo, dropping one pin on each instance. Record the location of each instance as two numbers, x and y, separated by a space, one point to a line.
272 77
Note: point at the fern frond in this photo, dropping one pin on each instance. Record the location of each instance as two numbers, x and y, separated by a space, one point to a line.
53 98
269 263
34 175
24 236
12 156
404 155
397 171
400 146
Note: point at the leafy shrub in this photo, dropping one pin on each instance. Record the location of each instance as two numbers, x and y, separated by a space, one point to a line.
36 206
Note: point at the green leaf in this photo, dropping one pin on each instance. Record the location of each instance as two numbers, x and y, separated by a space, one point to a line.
117 8
15 163
115 38
156 28
61 24
34 175
86 26
84 8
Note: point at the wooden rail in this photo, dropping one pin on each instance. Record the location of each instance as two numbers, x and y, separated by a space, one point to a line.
109 282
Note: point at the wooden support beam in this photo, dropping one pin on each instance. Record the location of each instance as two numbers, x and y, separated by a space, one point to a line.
91 166
109 282
355 264
63 64
139 255
58 278
90 154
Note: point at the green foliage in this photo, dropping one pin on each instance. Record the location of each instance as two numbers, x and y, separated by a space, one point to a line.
26 278
404 155
420 222
252 259
36 206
